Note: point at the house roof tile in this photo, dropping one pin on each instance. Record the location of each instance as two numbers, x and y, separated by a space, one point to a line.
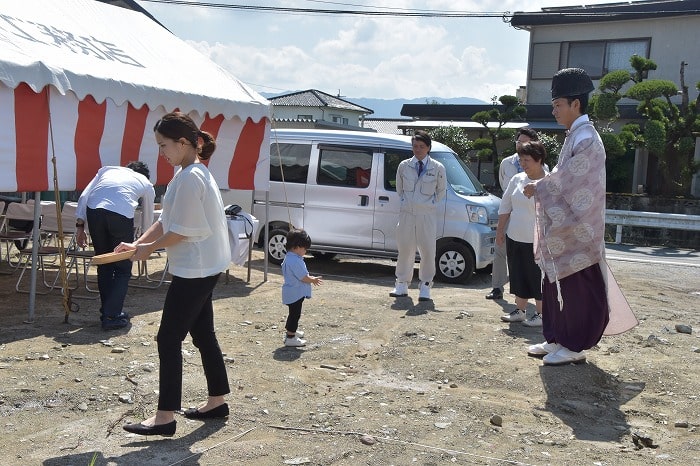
315 98
620 11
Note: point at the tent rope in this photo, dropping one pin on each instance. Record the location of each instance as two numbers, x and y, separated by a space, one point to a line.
66 294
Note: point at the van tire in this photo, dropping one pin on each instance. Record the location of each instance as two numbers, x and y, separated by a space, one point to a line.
454 262
277 245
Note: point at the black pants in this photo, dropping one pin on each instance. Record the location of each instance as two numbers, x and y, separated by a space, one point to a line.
188 308
107 230
294 315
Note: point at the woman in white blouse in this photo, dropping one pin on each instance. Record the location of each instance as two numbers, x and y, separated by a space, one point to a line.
193 231
516 227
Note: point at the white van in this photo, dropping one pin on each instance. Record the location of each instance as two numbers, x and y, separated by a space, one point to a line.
340 186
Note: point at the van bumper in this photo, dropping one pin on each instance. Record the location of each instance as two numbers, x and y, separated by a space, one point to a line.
483 241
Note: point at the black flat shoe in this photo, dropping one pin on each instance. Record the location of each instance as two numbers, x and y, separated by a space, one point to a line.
496 293
166 430
214 413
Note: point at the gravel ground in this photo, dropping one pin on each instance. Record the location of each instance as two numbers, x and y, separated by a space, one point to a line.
382 381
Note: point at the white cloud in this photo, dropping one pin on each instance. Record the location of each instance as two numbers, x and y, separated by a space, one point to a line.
364 56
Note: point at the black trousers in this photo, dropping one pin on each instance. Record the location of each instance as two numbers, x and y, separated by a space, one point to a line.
188 308
294 315
107 230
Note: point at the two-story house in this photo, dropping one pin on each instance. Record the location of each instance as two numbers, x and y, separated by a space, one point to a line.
601 38
316 109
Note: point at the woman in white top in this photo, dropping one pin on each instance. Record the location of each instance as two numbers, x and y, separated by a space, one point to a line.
516 227
193 230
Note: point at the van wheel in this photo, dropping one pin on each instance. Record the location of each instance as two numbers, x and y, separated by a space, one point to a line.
454 263
277 245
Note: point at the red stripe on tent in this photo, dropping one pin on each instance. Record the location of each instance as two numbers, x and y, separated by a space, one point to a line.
88 134
134 127
241 174
32 138
164 171
211 126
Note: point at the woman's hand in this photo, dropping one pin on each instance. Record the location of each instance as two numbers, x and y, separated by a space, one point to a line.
142 251
529 190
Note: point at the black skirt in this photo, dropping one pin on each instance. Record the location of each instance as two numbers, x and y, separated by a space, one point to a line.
524 274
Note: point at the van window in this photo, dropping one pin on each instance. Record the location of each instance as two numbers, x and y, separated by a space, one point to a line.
392 159
293 160
459 176
344 167
462 180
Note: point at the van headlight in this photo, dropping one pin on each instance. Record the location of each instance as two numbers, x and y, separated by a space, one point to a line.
477 214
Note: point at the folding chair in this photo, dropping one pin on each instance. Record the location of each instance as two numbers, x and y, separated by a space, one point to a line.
49 250
12 236
77 257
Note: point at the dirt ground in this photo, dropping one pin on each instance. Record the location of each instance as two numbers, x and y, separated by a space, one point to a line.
383 381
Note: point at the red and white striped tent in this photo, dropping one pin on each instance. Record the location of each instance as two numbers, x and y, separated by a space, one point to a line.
85 82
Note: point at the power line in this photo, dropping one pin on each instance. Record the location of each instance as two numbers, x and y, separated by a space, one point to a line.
391 13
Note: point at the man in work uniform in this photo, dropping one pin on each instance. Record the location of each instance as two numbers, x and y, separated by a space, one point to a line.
421 185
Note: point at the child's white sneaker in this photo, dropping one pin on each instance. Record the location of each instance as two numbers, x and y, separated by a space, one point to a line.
294 341
300 333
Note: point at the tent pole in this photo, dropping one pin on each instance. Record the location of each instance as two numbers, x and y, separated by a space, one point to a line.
35 257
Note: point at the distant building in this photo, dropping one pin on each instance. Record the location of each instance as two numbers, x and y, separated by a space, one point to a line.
386 125
316 109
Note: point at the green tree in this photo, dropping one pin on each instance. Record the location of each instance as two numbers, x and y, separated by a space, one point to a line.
494 120
667 131
455 138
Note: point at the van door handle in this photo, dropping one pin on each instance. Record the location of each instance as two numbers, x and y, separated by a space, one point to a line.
383 198
364 200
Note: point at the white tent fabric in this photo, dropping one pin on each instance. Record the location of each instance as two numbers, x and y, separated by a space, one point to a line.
85 82
102 76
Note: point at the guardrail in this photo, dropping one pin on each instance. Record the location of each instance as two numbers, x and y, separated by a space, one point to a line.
650 220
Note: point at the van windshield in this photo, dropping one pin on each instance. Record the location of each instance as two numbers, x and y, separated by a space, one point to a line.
459 176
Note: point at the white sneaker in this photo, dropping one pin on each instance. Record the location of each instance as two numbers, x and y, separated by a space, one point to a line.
294 341
564 356
300 333
400 290
534 321
515 316
424 292
543 349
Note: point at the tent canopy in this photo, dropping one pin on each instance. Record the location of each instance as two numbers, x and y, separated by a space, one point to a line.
87 81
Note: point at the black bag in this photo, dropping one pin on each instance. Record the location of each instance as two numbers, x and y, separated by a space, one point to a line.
232 210
21 225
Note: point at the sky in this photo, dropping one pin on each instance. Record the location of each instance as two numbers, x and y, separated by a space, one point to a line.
363 56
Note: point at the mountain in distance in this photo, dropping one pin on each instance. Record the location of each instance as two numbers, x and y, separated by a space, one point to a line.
391 108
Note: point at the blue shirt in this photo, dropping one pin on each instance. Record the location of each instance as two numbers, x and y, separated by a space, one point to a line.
293 270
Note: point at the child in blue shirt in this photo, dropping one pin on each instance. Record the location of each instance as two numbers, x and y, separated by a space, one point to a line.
297 284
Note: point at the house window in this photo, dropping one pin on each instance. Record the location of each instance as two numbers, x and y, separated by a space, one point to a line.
305 117
345 121
336 118
600 57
